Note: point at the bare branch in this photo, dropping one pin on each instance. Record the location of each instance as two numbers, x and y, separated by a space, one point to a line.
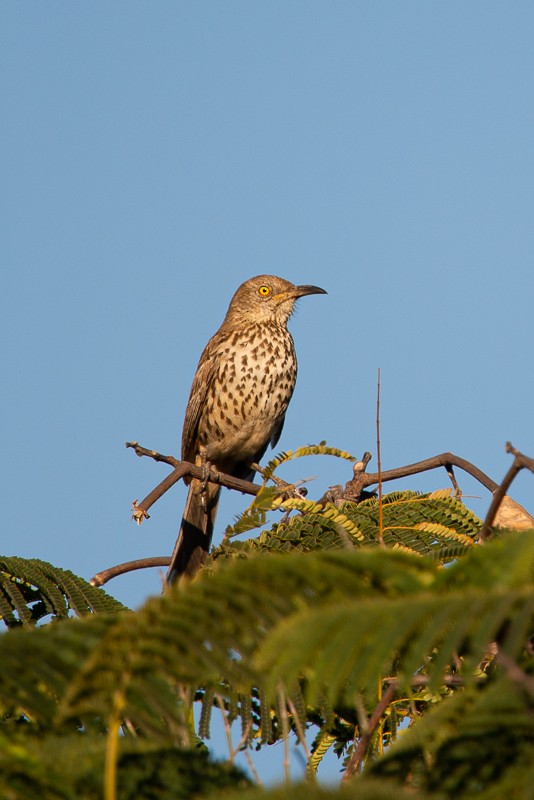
499 493
140 510
446 460
360 748
285 730
363 742
142 451
129 566
227 728
300 732
521 458
183 469
354 489
515 673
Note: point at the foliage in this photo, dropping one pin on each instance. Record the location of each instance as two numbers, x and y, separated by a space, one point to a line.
479 740
367 789
70 767
31 589
434 524
299 632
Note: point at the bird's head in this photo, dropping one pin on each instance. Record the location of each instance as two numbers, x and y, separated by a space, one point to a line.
266 298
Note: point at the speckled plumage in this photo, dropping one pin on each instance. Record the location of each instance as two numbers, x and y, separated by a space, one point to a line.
240 393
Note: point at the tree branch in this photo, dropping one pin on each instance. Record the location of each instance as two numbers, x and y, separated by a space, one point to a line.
499 493
515 673
129 566
354 489
359 750
182 469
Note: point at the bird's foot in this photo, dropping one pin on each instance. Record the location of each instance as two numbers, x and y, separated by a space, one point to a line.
208 471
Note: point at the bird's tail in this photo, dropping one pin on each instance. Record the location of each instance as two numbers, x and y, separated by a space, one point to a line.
196 530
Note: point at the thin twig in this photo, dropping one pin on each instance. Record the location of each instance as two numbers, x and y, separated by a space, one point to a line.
143 451
380 692
183 469
227 729
285 731
379 465
353 490
520 462
300 732
359 751
233 751
452 478
140 510
424 680
522 459
244 738
515 673
252 768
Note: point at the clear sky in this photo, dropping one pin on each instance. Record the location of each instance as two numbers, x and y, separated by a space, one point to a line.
156 154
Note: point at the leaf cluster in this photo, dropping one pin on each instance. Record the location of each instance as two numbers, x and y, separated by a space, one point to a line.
434 524
32 590
297 632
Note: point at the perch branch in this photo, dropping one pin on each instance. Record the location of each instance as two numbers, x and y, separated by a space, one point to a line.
182 469
499 492
354 490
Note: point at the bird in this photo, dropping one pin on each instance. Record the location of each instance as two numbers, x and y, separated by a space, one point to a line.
239 397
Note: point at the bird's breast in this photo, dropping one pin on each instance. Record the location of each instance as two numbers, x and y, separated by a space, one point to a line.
252 386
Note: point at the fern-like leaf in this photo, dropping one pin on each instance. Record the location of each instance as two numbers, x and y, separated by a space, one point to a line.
321 449
31 589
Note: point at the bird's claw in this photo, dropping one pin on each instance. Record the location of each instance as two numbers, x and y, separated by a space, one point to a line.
208 471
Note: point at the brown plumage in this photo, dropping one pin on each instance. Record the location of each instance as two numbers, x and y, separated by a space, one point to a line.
240 393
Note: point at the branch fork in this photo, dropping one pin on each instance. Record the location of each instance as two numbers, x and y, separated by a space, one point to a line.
503 510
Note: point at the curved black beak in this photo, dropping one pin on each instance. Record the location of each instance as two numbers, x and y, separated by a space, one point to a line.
303 290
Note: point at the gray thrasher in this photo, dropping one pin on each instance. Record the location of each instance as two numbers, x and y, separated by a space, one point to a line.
239 397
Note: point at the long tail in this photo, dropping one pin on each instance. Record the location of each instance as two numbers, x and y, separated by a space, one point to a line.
196 530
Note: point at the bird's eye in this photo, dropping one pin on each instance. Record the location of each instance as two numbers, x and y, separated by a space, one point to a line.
264 291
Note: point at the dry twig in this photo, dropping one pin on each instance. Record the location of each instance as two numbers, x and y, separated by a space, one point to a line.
183 469
499 493
129 566
360 749
354 490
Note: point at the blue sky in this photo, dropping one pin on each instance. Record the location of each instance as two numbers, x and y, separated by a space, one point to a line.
157 154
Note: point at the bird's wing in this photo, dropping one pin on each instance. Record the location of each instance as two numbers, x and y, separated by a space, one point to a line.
201 384
277 432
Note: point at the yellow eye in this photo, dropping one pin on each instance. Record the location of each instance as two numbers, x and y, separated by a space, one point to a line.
264 291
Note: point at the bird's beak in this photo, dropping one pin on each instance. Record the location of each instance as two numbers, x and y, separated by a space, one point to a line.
303 290
297 291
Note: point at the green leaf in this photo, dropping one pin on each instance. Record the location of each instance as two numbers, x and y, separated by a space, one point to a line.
31 589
